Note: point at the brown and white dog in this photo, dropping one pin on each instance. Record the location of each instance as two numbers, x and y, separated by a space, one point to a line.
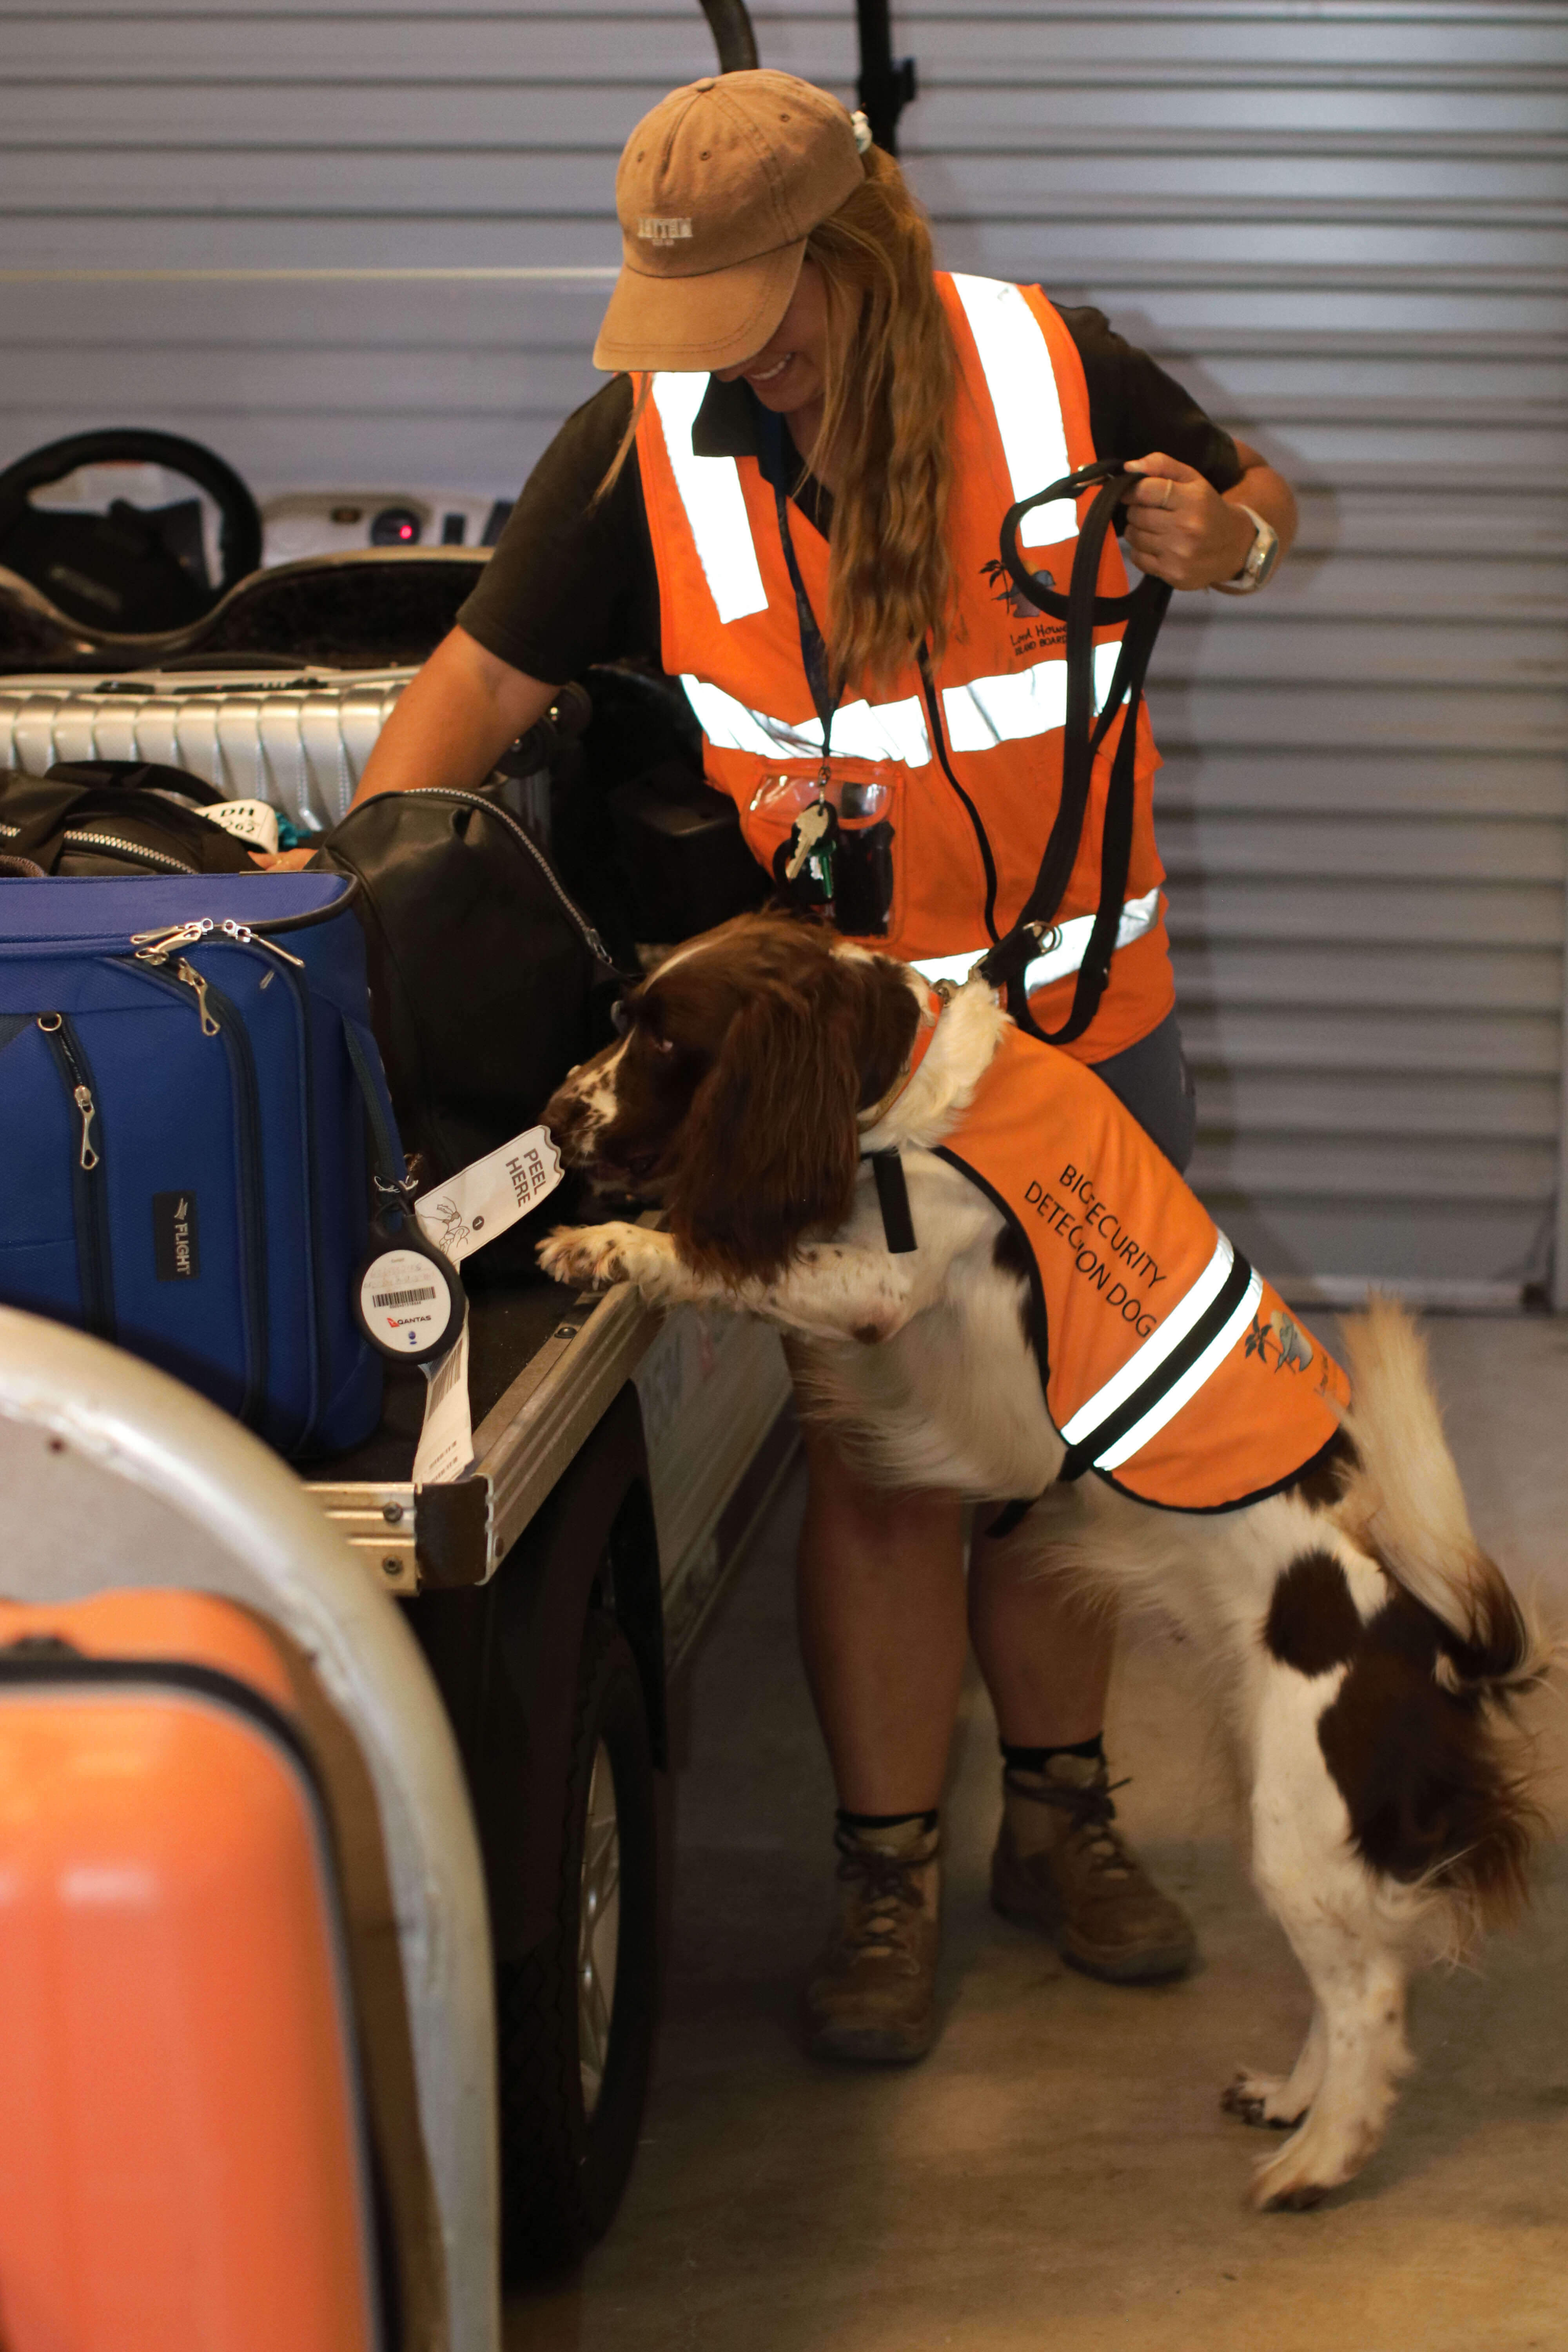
1370 1646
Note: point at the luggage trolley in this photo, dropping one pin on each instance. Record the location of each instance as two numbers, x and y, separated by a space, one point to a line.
621 1460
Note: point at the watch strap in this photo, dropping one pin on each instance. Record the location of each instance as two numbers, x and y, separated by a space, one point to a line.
1256 564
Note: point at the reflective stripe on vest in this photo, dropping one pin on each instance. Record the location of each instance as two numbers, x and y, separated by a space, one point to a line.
1023 387
1123 1385
715 504
861 730
1166 1363
1069 945
1011 707
988 710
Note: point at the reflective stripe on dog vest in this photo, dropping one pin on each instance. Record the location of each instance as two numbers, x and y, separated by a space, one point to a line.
1168 1365
1156 1383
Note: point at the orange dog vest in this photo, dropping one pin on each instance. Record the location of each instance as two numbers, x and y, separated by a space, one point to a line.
1168 1365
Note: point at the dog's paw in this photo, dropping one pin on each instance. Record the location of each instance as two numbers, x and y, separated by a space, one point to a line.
586 1257
1322 2156
1263 2100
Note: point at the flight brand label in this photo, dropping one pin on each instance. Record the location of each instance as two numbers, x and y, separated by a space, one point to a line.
176 1249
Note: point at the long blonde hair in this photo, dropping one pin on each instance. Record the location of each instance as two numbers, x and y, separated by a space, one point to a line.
884 439
884 435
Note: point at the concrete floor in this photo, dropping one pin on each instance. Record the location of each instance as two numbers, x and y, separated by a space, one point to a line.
1058 2173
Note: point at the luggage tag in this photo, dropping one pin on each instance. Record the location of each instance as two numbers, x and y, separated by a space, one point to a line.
407 1299
253 822
453 1220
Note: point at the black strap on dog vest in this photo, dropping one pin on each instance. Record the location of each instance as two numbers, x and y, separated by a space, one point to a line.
893 1200
1142 609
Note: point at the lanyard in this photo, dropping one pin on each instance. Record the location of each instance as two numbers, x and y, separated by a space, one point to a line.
773 458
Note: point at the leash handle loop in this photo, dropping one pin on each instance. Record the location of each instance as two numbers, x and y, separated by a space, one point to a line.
1141 610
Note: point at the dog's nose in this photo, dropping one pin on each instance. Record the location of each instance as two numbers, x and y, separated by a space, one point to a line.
562 1115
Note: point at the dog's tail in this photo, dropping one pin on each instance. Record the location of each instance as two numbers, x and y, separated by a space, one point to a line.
1403 1500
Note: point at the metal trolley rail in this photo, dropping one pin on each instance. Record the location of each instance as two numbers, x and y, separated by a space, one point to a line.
621 1459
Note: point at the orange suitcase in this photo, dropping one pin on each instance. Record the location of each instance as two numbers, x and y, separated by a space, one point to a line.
182 2153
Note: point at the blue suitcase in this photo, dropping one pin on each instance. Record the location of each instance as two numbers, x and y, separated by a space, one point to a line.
189 1091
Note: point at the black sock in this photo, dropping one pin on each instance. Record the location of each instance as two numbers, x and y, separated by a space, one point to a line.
867 1825
1035 1759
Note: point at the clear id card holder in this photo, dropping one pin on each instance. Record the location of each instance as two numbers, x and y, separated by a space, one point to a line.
826 832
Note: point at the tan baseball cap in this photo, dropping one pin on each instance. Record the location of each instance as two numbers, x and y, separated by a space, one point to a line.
717 191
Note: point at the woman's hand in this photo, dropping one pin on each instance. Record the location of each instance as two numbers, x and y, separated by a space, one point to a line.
1180 529
281 861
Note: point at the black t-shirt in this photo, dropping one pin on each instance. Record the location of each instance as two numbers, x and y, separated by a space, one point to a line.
573 582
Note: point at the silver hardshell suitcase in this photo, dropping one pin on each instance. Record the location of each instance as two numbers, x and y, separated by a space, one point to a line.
297 740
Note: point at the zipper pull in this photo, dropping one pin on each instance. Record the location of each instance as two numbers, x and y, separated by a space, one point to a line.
156 947
88 1108
242 934
193 978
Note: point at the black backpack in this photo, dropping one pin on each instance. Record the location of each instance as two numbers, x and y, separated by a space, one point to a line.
486 980
113 816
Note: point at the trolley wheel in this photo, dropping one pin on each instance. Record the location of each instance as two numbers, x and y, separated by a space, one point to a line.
577 2016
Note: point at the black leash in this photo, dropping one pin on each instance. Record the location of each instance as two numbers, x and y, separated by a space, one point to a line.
1083 609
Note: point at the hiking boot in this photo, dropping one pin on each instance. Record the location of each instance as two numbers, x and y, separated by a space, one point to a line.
1062 1865
870 1992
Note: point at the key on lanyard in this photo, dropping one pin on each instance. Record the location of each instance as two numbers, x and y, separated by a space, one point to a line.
812 841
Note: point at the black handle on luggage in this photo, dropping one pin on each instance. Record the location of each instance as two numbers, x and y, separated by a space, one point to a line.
1141 609
345 899
135 776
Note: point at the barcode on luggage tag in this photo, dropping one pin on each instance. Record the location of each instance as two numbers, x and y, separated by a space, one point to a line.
405 1305
451 1369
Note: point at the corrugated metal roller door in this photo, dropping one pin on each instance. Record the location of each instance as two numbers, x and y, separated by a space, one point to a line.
1341 224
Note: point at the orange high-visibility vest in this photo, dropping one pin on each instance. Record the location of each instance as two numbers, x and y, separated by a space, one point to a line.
1168 1365
966 844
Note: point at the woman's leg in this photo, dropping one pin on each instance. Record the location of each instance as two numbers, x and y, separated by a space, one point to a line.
1044 1650
1061 1864
881 1603
882 1634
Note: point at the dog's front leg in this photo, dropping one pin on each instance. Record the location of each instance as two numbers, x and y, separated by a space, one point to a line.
593 1256
831 1291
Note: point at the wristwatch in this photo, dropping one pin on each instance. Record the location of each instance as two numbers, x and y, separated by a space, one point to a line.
1261 557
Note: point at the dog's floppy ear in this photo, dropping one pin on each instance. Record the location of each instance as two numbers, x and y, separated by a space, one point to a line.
769 1148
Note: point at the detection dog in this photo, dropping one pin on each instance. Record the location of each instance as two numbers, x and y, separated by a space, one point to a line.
1370 1649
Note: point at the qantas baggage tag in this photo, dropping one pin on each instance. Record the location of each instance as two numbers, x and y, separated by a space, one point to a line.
481 1201
409 1299
446 1445
489 1196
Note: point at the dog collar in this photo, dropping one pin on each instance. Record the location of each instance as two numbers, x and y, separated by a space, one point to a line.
930 1014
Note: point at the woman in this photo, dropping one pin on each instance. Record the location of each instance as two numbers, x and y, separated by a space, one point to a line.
795 504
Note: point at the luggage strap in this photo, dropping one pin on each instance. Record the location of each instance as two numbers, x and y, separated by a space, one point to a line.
1141 610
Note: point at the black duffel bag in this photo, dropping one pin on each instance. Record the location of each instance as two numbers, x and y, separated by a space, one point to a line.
114 816
486 980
